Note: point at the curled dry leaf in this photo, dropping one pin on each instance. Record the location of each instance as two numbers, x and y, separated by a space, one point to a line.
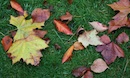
62 27
80 31
40 33
123 37
80 71
88 74
98 26
70 1
40 15
7 42
105 39
89 38
99 66
68 54
67 17
16 6
78 46
57 47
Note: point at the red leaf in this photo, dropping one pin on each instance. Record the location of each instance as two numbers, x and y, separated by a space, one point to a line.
39 15
62 27
88 74
80 71
123 37
68 54
105 39
6 42
16 6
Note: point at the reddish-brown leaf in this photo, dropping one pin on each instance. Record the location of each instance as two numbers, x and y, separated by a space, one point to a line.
57 47
105 39
67 17
40 15
6 42
62 27
40 33
88 74
123 37
80 71
68 54
70 1
17 6
13 33
47 40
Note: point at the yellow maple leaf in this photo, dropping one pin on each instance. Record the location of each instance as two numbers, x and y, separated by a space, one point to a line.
25 27
27 49
89 38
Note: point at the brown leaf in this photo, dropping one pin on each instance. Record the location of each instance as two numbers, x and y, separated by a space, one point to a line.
13 33
62 27
16 6
47 40
6 42
99 66
67 17
105 39
80 31
68 54
40 15
78 46
70 1
123 37
57 47
88 74
80 71
40 33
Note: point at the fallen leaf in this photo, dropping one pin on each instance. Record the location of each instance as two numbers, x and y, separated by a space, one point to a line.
80 71
88 74
120 19
16 6
80 31
89 38
57 47
110 52
99 66
47 40
6 42
78 46
27 49
67 17
62 27
98 26
68 54
40 33
105 39
13 33
123 37
25 27
40 15
70 1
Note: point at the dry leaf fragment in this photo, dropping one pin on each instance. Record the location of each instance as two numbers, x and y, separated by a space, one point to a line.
80 71
68 54
16 6
123 37
89 38
6 42
78 46
40 15
70 1
99 66
67 17
40 33
98 26
105 39
62 27
88 74
57 47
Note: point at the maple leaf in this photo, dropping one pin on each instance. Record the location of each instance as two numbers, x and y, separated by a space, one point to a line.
121 19
39 15
98 26
89 38
27 49
25 27
62 27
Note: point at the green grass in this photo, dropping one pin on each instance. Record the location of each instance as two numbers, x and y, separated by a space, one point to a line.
50 66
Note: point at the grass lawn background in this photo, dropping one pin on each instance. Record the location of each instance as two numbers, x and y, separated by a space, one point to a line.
83 11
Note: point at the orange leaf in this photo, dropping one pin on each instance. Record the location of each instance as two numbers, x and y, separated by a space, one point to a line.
68 54
62 27
16 6
6 42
